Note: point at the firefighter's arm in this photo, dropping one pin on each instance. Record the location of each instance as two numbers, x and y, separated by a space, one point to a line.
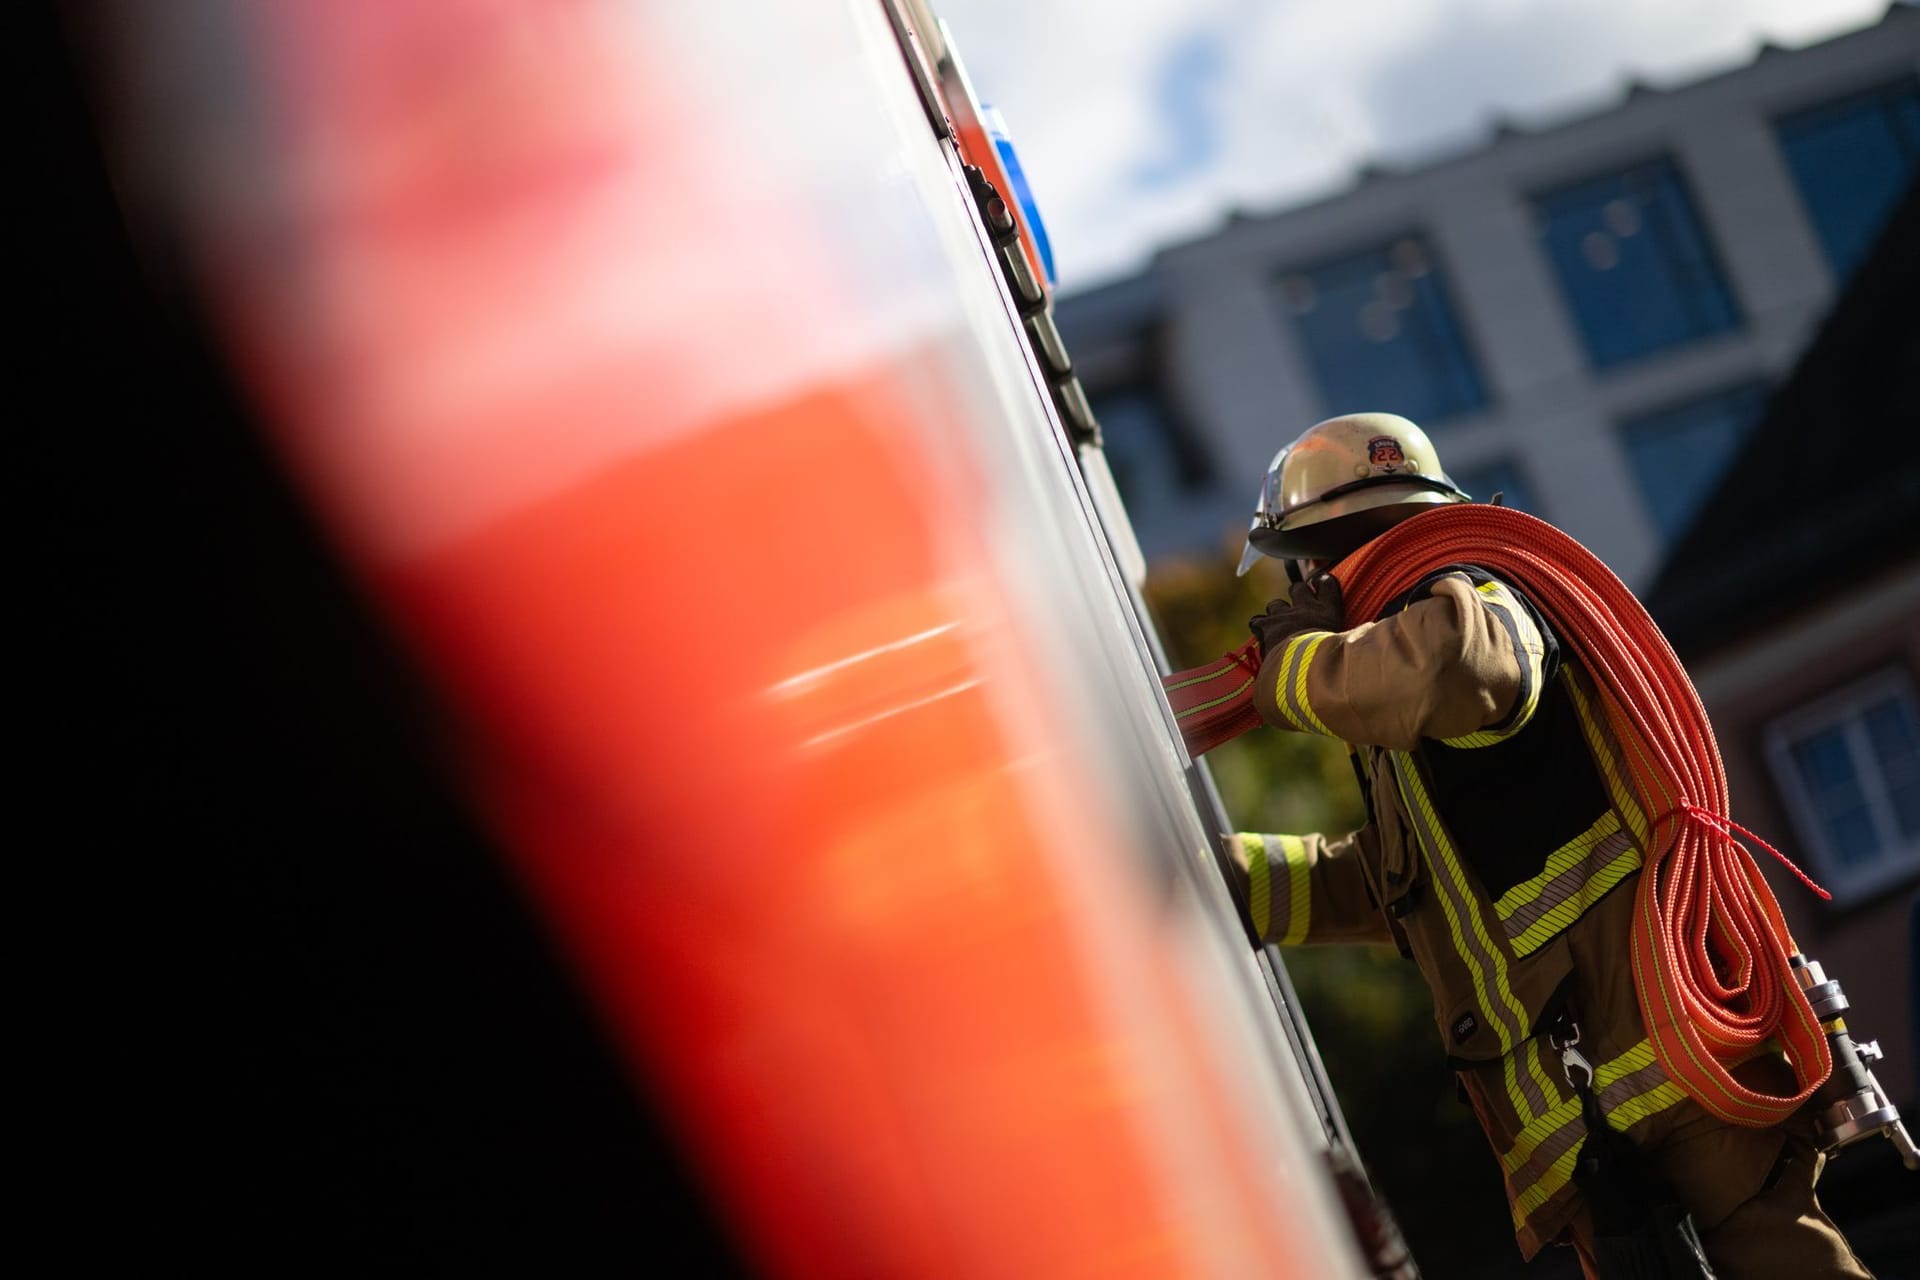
1464 665
1305 889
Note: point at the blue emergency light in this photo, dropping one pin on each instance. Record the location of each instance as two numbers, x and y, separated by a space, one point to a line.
1023 194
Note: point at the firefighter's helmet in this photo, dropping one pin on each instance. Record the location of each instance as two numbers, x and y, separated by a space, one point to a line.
1344 481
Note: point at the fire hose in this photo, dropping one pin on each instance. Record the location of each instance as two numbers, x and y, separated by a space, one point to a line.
1714 964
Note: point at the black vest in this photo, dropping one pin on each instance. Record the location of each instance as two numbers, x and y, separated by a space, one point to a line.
1509 805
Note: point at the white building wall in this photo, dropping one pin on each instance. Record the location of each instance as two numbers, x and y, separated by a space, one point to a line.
1233 362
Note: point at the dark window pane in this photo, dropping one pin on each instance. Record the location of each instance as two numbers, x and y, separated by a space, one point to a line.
1502 477
1896 749
1633 263
1851 160
1680 453
1379 333
1152 462
1828 770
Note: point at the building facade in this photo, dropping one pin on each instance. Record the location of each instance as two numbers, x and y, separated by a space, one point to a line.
1588 316
1794 600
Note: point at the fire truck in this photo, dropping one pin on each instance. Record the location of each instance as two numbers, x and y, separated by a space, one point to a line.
678 386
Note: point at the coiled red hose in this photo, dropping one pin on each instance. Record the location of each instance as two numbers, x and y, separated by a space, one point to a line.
1709 944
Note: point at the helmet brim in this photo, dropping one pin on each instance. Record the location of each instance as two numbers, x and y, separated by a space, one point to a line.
1344 524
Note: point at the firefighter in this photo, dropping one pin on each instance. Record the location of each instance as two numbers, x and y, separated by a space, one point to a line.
1500 853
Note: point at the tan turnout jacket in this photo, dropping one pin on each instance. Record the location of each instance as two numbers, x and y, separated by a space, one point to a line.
1451 704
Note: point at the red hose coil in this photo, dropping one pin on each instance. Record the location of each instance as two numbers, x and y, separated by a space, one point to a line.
1709 944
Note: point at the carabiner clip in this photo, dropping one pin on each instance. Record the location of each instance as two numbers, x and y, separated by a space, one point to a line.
1571 1059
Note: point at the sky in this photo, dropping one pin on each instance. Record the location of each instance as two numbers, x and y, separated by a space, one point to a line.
1142 123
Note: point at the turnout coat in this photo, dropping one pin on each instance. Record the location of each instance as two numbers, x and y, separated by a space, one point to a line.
1501 855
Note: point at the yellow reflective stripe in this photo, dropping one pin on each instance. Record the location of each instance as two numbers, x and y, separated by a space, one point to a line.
1571 908
1606 754
1529 650
1299 898
1641 1055
1562 1129
1652 1102
1549 1183
1478 738
1455 897
1576 875
1290 693
1283 681
1457 871
1527 1081
1537 1068
1560 860
1258 876
1608 1073
1308 647
1511 1078
1522 1089
1559 1173
1531 1136
1472 941
1294 888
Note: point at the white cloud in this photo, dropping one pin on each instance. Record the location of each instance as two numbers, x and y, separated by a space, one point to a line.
1141 122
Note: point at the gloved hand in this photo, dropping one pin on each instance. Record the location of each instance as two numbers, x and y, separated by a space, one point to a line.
1315 606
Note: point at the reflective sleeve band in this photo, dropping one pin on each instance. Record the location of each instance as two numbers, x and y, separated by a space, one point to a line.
1290 682
1529 650
1279 894
1259 881
1299 889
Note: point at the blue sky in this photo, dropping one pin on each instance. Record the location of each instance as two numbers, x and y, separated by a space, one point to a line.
1143 122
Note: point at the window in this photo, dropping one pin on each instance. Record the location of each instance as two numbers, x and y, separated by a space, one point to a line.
1504 477
1634 263
1379 332
1680 453
1851 160
1849 768
1152 460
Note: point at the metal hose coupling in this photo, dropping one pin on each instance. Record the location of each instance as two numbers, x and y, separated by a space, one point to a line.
1851 1105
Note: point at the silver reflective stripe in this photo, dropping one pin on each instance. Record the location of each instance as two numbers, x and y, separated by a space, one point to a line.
1566 897
1522 1069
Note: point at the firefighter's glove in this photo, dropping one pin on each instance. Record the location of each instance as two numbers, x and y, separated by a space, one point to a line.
1315 606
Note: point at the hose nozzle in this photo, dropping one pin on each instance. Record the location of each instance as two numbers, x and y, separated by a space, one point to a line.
1851 1105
